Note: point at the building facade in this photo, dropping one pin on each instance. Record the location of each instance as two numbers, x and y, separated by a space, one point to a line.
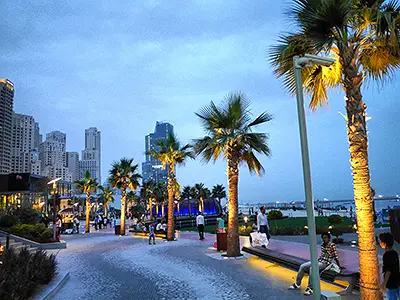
22 143
91 155
52 154
73 165
151 168
6 113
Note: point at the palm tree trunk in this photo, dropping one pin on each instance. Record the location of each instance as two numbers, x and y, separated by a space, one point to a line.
157 205
87 230
233 222
171 227
358 148
105 208
151 208
179 209
123 210
162 209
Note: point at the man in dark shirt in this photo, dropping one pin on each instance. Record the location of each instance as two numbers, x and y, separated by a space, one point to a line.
390 270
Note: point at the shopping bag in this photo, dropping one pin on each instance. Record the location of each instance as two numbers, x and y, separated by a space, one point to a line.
263 239
255 239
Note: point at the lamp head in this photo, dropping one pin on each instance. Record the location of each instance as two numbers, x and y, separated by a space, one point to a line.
309 60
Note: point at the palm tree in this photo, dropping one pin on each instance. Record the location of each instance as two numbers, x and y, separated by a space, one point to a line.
230 133
201 193
218 191
187 193
170 153
123 175
363 37
131 199
87 185
105 197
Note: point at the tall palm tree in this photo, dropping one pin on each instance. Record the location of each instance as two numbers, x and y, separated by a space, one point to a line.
230 133
123 175
87 185
201 193
218 192
170 153
105 197
131 199
363 37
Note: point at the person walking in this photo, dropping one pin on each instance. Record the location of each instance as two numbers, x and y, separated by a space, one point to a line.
58 228
76 223
105 221
328 254
200 225
262 223
390 268
220 225
151 234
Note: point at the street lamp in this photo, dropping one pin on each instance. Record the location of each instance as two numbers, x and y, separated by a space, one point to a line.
54 183
298 63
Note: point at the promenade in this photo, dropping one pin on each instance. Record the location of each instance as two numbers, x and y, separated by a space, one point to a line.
105 266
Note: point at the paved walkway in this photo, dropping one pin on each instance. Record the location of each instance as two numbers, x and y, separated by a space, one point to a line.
105 266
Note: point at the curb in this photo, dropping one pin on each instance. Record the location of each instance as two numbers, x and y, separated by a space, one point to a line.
53 287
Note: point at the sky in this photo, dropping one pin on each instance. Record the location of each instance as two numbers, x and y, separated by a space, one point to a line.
123 65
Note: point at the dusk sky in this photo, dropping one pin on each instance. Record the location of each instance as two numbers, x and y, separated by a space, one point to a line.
123 65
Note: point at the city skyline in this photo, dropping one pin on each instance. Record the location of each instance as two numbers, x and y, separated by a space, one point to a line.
201 52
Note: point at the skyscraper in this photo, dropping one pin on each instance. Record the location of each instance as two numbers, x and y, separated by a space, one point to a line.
151 168
91 155
6 112
73 165
22 143
52 153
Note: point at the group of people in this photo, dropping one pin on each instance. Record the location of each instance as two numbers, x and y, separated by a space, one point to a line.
219 226
101 221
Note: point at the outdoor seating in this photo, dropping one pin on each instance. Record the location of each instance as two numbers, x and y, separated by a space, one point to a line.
352 277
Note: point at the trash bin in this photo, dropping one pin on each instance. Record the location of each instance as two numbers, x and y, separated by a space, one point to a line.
222 241
394 217
117 229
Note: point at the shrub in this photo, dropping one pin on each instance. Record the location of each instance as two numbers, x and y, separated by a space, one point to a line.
245 231
336 232
275 215
21 272
335 219
27 215
7 221
38 232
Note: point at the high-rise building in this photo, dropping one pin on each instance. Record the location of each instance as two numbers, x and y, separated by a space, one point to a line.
91 155
6 112
73 165
151 168
22 143
52 153
37 137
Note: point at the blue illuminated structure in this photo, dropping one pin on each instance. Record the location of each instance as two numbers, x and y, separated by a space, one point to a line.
190 207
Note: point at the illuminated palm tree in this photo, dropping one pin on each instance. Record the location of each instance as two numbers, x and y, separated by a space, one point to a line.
170 153
188 194
123 175
363 37
230 133
105 197
201 193
87 185
218 192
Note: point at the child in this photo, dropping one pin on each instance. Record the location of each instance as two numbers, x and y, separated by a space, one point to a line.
390 267
151 234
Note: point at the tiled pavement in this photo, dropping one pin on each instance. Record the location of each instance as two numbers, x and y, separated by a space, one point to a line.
104 266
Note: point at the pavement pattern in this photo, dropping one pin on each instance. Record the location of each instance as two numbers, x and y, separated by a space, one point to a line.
105 266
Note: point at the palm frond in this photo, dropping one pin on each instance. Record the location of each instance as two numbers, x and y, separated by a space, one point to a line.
252 163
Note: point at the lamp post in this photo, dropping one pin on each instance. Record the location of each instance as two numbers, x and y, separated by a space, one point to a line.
298 63
54 183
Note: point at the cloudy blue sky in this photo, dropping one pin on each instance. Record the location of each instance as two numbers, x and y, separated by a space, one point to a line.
123 65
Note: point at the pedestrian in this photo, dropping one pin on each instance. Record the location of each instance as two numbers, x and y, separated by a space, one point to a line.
96 221
58 228
45 220
151 234
101 220
200 225
328 254
390 268
105 222
220 224
262 223
76 223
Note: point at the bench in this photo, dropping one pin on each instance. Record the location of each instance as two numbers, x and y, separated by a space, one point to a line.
350 276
